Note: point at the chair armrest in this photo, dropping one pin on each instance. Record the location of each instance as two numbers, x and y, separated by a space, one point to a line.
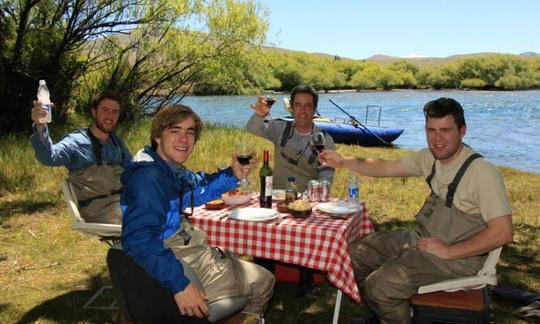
465 283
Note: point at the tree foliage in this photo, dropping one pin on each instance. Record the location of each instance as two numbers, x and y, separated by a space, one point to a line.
499 72
142 48
44 40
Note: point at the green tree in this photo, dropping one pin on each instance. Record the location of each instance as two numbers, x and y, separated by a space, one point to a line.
366 78
219 54
143 48
473 83
44 39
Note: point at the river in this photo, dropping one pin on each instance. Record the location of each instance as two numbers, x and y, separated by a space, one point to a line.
502 126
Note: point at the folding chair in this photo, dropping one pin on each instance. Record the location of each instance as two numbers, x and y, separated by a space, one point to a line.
147 301
109 233
457 299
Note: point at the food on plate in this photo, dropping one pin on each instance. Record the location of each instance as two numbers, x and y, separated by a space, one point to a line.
236 197
234 192
300 205
215 204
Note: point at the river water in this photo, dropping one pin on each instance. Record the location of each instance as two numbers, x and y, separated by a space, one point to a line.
502 126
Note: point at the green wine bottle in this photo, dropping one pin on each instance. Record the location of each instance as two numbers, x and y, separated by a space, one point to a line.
266 179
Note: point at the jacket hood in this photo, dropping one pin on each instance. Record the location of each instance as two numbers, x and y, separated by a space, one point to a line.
144 158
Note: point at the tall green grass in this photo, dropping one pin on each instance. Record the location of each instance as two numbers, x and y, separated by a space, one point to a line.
48 271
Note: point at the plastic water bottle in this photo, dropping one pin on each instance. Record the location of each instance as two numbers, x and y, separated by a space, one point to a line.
44 96
354 189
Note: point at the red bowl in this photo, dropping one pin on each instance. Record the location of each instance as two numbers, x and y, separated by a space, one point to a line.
283 207
215 204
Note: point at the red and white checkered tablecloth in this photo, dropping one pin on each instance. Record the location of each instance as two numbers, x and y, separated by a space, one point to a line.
317 242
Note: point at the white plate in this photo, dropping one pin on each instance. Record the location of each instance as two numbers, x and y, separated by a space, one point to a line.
278 194
339 207
253 214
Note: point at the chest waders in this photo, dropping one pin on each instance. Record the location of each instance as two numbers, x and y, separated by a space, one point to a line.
98 187
440 218
302 168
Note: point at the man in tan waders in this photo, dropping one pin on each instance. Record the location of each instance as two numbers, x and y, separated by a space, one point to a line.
94 156
466 216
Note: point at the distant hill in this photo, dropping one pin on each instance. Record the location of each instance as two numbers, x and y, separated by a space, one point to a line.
385 60
424 61
321 55
529 54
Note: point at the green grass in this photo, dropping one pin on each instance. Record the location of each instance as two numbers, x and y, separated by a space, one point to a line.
48 271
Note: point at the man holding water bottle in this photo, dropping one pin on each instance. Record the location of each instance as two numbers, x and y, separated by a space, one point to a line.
94 157
466 216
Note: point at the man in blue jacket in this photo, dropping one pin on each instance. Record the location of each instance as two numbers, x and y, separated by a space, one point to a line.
156 232
94 157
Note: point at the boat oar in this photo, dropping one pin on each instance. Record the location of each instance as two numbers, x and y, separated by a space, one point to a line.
359 123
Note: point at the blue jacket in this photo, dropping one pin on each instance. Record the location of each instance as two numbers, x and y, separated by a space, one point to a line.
151 211
75 150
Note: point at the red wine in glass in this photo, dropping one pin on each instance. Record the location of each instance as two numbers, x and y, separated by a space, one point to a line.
319 147
244 159
270 101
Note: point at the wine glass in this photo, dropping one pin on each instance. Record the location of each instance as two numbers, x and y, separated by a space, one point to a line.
317 142
269 97
244 153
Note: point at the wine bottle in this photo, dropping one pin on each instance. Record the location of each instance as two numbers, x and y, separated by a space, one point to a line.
266 178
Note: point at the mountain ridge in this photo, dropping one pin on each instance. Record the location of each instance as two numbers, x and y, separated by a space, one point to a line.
388 59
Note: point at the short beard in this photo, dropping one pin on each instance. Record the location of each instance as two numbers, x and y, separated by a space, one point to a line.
101 128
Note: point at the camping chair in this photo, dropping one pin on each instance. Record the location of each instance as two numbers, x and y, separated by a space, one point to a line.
109 233
461 294
145 300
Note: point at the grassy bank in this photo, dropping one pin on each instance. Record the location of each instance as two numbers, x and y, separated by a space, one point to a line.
48 271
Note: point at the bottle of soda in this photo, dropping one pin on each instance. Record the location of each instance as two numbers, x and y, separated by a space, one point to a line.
290 190
354 188
266 179
44 96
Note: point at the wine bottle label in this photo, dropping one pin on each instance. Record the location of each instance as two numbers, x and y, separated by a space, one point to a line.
268 186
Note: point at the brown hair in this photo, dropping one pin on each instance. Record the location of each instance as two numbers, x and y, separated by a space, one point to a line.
307 90
443 107
104 95
171 115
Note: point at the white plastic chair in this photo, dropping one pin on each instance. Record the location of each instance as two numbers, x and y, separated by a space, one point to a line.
106 232
486 276
109 233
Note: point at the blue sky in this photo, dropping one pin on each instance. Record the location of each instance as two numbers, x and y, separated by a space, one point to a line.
437 28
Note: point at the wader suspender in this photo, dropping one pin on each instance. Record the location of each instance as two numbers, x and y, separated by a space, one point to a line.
453 185
287 134
96 146
185 235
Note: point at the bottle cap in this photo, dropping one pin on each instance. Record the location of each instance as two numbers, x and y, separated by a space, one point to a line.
42 82
291 179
